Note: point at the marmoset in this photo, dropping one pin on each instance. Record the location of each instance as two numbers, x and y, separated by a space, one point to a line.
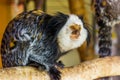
38 39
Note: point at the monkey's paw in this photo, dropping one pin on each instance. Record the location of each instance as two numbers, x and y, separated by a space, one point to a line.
54 73
60 64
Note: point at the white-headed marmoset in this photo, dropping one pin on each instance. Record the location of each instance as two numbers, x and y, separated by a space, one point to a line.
35 38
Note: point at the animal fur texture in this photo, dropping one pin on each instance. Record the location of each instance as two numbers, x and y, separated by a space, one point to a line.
103 18
38 39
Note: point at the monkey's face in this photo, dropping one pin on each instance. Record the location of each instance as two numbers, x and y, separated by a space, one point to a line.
75 31
72 35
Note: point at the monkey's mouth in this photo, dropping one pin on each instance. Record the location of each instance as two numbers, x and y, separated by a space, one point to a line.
75 31
75 34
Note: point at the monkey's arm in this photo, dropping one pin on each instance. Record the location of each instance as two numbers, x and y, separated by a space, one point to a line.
86 71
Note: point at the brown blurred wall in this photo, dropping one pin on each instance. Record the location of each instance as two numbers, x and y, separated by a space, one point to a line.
4 17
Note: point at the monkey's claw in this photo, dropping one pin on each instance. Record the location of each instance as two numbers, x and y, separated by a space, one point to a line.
54 73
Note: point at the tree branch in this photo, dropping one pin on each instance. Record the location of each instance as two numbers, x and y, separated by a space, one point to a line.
101 67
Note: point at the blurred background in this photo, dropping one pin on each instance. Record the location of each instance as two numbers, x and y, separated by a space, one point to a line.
10 8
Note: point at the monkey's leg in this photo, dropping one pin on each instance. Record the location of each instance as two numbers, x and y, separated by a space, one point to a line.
48 65
15 58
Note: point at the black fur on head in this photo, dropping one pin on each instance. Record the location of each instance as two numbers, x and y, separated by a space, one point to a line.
54 25
89 33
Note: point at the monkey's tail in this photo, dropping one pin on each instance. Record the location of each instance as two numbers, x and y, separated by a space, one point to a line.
105 41
104 30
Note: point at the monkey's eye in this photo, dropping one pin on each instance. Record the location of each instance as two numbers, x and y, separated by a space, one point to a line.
75 31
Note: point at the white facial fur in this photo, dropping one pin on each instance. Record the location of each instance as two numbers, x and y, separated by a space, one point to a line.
64 40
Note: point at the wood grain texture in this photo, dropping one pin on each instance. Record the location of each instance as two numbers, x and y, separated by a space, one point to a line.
86 71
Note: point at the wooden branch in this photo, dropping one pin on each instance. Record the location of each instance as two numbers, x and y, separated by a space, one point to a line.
102 67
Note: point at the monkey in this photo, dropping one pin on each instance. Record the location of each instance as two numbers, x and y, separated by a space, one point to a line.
35 38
